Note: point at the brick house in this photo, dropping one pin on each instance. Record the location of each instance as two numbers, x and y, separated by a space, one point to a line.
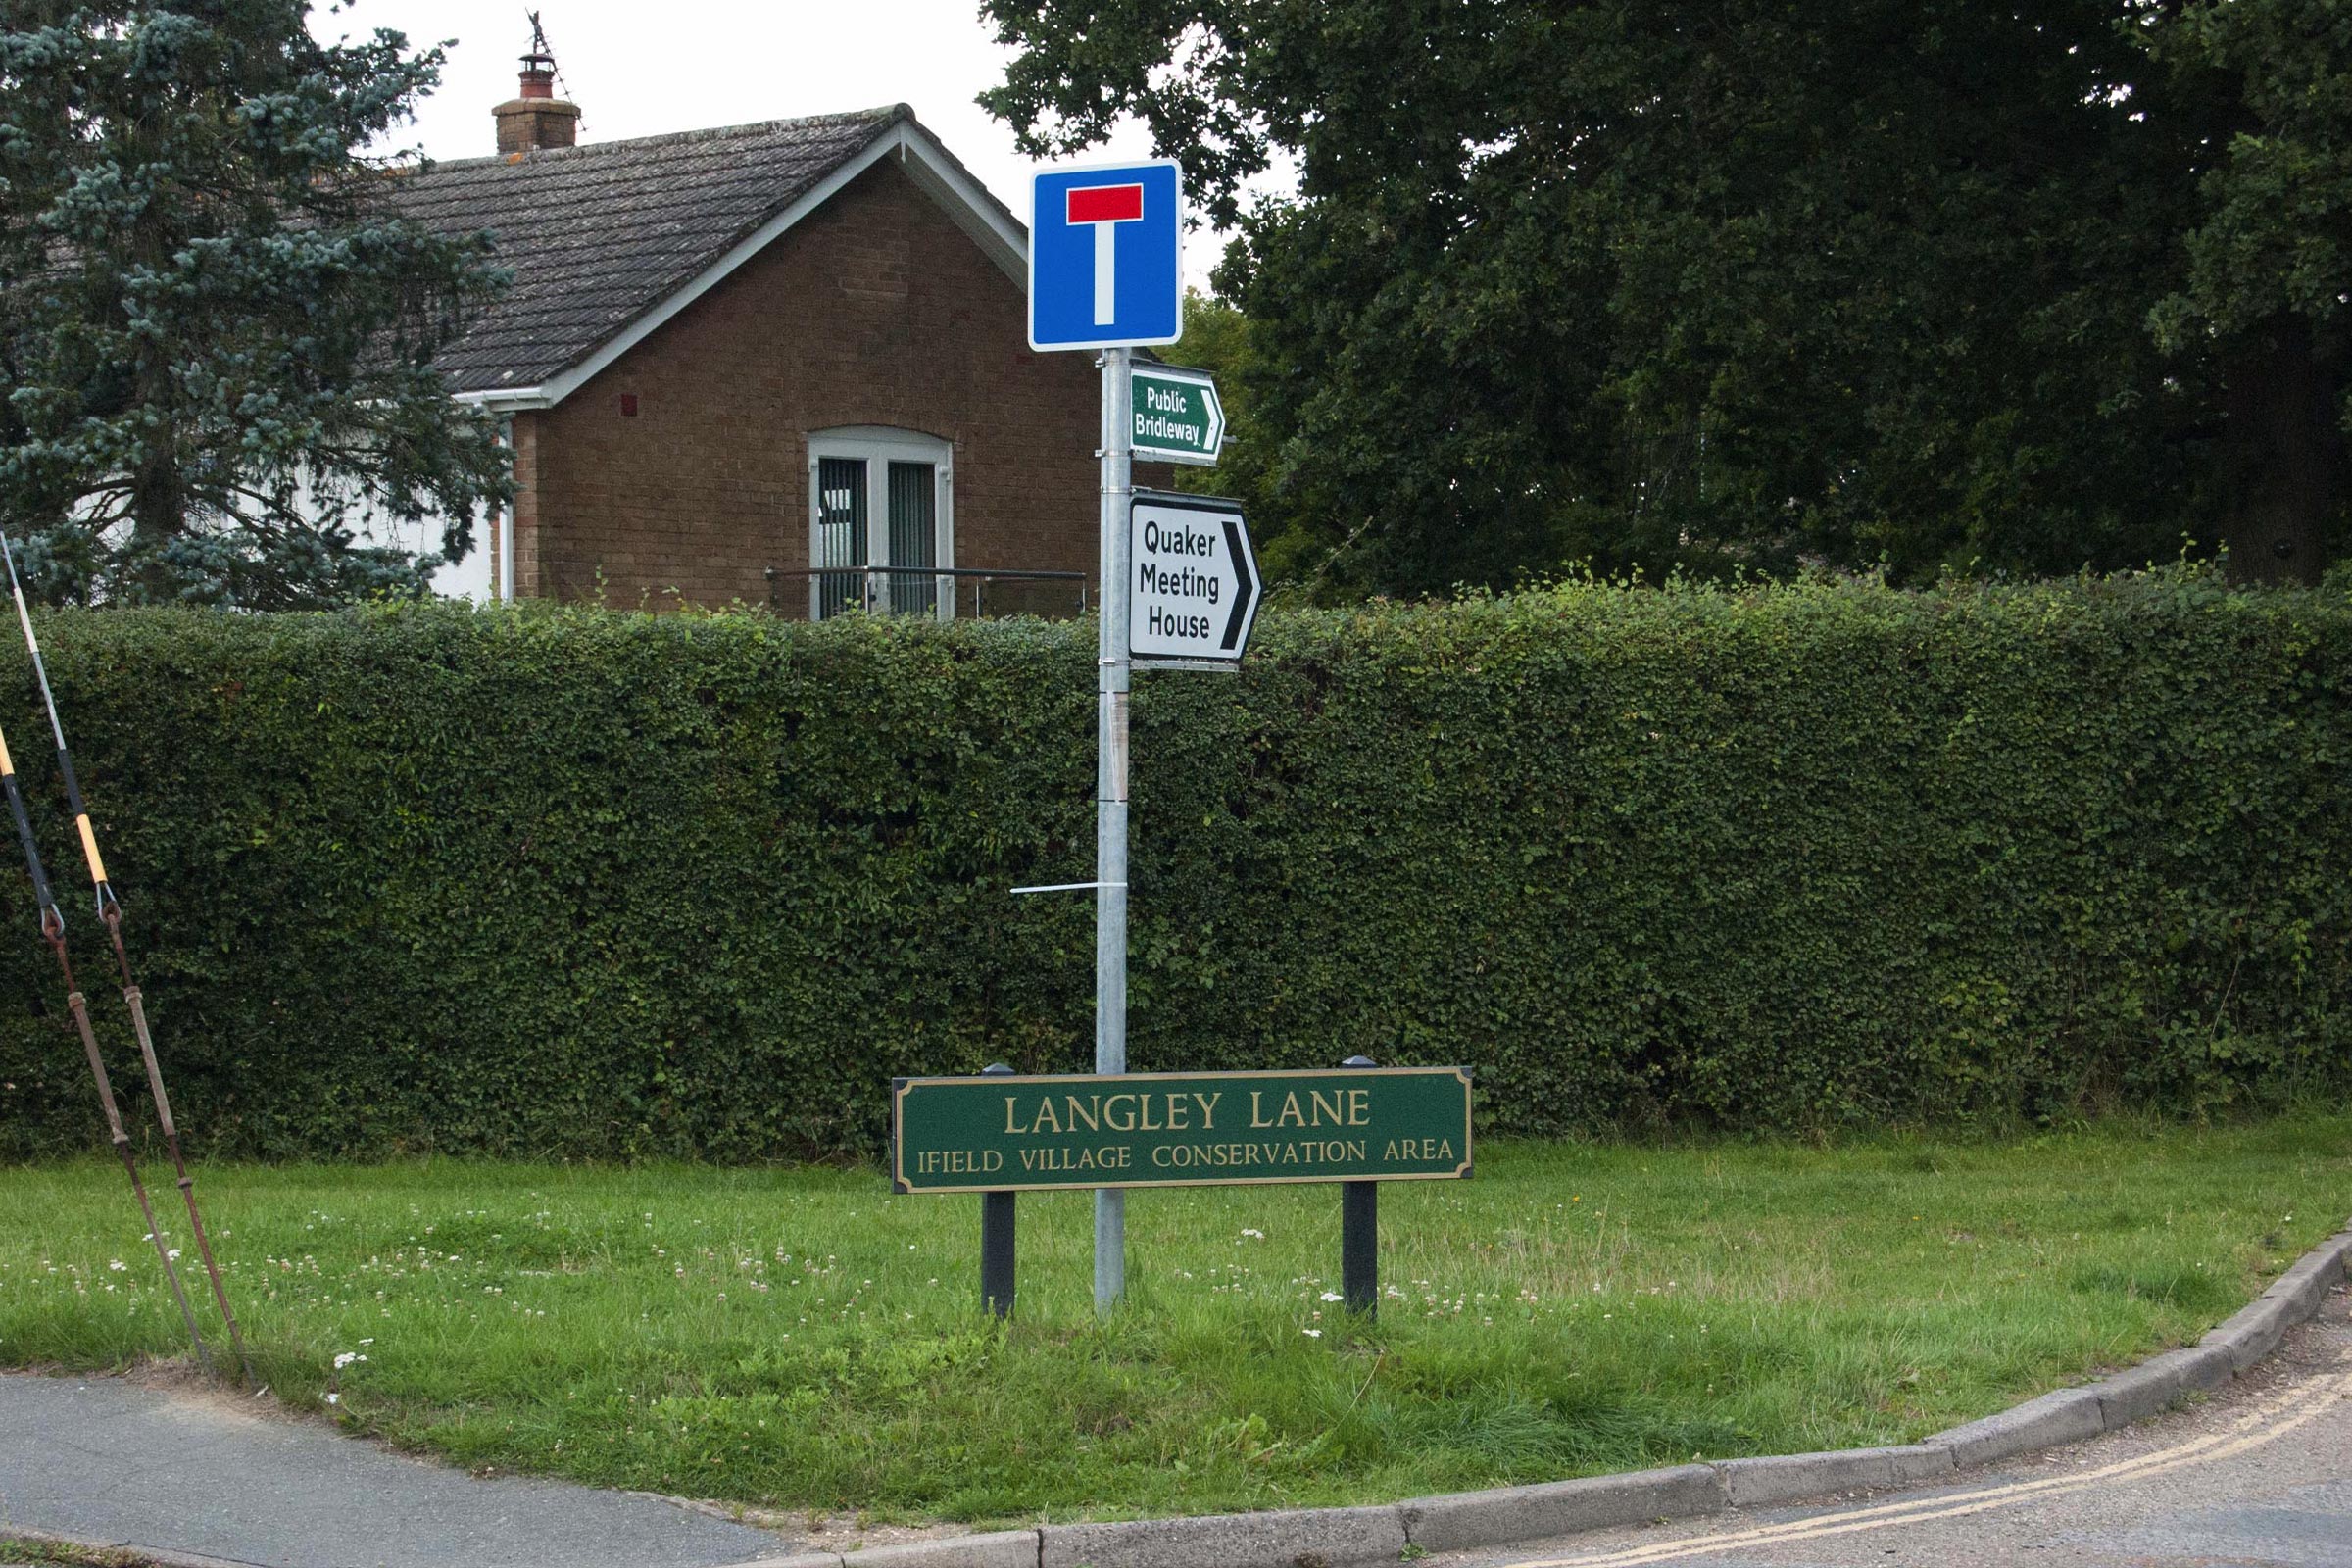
730 356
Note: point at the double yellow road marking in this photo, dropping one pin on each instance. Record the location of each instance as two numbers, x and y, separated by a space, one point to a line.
2266 1423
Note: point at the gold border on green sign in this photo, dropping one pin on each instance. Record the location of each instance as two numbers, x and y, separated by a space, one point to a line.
900 1086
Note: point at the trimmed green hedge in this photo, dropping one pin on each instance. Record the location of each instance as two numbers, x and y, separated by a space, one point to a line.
588 883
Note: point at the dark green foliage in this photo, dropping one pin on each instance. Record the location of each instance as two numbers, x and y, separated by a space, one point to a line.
586 883
1932 283
215 341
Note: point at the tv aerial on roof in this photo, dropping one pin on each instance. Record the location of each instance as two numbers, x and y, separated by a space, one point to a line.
542 56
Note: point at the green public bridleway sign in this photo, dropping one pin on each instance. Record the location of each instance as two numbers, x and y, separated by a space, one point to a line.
1010 1133
1178 417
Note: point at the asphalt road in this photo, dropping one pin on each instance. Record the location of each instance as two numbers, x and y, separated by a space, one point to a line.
2261 1473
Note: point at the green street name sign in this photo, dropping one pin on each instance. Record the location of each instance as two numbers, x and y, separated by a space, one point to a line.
1177 417
1008 1133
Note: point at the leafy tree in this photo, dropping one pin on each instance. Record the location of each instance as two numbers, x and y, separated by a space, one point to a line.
1217 339
215 339
2269 255
1934 284
1220 339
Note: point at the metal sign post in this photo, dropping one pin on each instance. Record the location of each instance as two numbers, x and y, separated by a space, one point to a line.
1115 679
1106 271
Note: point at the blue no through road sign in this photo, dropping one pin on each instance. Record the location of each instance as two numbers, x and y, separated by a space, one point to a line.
1103 256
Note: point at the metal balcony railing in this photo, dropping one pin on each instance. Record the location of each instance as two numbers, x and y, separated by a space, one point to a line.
945 592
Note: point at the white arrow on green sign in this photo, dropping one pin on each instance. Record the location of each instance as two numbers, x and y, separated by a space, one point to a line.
1177 416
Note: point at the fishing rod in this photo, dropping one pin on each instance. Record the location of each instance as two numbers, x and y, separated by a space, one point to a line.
53 931
110 910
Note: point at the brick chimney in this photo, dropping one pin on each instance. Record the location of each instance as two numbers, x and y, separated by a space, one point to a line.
537 119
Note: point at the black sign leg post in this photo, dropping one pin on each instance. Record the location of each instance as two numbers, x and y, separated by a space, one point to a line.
1359 1236
996 1241
996 1252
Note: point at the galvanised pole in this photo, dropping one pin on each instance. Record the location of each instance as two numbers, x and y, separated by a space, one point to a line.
1114 678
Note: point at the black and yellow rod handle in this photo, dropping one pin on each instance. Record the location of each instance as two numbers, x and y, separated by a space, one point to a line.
51 918
65 759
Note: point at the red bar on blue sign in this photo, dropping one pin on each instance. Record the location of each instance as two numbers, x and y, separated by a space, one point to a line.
1105 204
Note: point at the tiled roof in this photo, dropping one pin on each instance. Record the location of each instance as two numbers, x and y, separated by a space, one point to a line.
597 236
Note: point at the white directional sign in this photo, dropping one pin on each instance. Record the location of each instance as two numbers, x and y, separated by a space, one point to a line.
1195 581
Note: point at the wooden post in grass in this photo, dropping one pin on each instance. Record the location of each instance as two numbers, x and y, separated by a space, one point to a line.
1359 1236
996 1241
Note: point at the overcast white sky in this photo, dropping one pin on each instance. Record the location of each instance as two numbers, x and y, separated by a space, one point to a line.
640 67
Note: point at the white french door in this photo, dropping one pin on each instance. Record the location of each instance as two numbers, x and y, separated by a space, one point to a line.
881 523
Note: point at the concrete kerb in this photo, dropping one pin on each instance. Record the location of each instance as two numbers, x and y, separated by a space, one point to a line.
2151 1387
2254 1333
2250 1335
2061 1416
1332 1538
2305 1285
1495 1518
1786 1477
1008 1548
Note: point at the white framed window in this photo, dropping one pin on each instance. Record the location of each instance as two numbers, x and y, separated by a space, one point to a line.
881 522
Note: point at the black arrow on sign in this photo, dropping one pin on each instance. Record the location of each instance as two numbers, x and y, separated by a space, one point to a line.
1239 555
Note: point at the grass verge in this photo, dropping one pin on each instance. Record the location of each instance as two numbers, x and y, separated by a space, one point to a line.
796 1338
23 1549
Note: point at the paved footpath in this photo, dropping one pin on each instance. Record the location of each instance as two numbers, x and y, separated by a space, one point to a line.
204 1473
2261 1474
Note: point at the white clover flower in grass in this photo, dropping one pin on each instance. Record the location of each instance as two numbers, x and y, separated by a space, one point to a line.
1254 1235
1312 1333
1331 1295
117 1265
